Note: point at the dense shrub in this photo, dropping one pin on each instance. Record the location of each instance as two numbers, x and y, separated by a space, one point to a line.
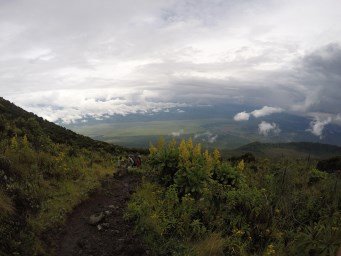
193 203
247 158
330 165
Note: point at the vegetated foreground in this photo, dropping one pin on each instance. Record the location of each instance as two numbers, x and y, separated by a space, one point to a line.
45 171
97 226
194 203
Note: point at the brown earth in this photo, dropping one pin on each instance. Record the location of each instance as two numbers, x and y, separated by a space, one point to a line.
112 235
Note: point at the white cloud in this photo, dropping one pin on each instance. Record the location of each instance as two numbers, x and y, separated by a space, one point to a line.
265 111
317 125
69 106
242 116
265 128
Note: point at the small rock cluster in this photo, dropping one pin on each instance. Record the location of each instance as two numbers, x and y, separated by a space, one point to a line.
97 219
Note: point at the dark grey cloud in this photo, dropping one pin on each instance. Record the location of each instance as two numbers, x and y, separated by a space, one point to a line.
325 61
320 75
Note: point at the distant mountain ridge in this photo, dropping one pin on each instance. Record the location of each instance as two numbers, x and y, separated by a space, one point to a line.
295 149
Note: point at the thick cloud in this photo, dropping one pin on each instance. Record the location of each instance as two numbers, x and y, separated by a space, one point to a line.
317 126
265 128
157 53
242 116
264 111
320 121
71 105
319 75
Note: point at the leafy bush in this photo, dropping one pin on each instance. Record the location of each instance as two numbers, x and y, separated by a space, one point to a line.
329 165
164 162
228 175
193 203
5 164
6 205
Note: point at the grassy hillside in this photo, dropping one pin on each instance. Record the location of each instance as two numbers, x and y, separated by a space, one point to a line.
45 170
16 121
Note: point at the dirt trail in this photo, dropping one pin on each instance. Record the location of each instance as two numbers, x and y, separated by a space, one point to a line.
112 235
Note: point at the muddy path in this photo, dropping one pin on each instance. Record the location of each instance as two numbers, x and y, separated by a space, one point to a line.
109 233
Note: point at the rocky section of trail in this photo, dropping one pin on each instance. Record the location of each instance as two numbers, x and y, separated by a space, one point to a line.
97 227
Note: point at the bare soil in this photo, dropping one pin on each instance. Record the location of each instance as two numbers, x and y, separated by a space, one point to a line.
111 236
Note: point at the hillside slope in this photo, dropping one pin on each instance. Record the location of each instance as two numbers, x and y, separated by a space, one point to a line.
45 171
15 120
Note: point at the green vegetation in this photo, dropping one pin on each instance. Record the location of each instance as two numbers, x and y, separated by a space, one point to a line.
193 203
45 170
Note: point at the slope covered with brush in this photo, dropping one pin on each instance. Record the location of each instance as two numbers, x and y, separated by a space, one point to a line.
45 170
193 203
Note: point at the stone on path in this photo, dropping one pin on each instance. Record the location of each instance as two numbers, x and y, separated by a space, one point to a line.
96 218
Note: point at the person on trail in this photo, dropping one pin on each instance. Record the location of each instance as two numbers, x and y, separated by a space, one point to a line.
132 160
123 164
135 160
138 161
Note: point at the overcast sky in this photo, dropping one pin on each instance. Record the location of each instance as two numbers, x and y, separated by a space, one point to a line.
64 59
